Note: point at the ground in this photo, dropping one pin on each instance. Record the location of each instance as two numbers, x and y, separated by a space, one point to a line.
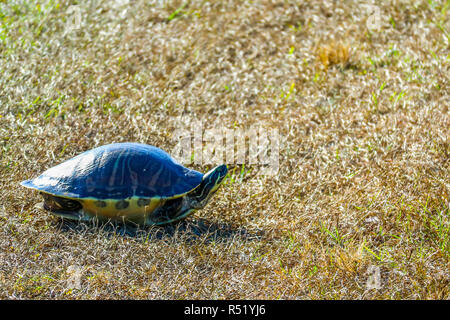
359 96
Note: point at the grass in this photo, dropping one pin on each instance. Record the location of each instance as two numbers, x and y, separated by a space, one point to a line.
364 148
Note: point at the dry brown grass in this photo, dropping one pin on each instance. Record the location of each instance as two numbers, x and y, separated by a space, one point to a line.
335 53
364 146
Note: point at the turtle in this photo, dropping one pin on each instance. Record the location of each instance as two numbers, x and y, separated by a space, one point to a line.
127 182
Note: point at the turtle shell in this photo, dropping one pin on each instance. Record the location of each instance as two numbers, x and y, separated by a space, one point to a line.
118 171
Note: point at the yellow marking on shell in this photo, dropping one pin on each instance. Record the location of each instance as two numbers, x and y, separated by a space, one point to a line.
133 212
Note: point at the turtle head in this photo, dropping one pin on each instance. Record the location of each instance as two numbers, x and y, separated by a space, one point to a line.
179 208
211 182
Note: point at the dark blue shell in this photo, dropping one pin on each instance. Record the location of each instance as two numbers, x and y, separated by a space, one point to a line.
118 171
